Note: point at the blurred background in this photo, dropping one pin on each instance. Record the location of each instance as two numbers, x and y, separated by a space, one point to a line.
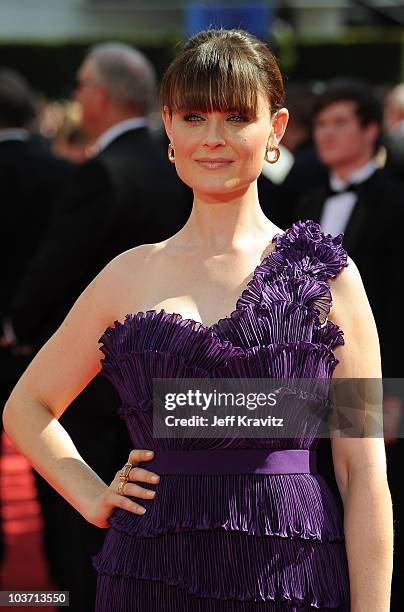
349 50
314 39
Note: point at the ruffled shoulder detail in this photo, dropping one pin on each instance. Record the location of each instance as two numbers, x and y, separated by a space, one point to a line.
297 270
326 253
329 335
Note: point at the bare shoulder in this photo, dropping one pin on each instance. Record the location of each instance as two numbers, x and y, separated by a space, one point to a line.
348 280
131 260
125 277
349 298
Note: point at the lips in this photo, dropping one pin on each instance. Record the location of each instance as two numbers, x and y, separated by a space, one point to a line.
214 163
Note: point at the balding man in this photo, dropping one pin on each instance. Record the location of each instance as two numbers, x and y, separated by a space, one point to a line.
394 110
394 131
126 194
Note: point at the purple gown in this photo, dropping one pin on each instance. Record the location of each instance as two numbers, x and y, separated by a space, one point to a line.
242 538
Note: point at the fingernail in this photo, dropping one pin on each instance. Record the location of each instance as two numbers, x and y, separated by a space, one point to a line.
154 478
149 453
142 510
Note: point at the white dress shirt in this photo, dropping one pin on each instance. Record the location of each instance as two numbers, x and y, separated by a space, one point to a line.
13 134
338 208
116 130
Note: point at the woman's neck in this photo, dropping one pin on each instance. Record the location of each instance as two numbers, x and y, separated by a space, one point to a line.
223 224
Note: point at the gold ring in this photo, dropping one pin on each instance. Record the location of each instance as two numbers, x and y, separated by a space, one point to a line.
125 471
121 487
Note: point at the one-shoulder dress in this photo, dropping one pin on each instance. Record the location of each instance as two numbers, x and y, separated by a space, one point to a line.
240 538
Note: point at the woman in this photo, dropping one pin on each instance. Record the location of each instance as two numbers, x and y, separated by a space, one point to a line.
230 295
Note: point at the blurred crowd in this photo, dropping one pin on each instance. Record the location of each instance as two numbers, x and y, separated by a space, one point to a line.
86 179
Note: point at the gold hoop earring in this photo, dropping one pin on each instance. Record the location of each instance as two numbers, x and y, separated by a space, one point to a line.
171 153
274 150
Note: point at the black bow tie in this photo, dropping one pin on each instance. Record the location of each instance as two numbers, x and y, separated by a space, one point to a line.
351 187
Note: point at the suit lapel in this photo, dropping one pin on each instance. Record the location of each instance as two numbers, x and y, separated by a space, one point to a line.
356 221
314 206
360 214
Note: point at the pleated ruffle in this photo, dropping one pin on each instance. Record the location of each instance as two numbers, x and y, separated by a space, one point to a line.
132 373
264 324
311 250
281 360
165 332
303 360
284 505
126 594
233 565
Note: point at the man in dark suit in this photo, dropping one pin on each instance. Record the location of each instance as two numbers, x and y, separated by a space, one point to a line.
365 203
126 194
360 200
31 178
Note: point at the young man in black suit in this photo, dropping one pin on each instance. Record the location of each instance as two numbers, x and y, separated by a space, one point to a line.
365 203
126 194
361 200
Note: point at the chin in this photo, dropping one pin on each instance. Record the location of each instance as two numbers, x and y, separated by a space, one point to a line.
220 187
330 160
222 194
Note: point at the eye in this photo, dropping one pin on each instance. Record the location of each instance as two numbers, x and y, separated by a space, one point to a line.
192 118
237 118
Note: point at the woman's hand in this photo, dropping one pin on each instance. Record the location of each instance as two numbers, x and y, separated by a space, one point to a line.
104 503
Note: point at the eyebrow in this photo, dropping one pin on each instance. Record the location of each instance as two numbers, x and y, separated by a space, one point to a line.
227 111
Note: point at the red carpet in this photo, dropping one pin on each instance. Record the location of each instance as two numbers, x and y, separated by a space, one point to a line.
24 566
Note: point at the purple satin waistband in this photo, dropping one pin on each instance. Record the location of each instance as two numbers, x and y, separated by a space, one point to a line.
233 461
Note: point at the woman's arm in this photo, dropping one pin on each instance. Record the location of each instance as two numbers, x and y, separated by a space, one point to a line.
360 463
57 374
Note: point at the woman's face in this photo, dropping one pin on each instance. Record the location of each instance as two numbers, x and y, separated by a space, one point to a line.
220 154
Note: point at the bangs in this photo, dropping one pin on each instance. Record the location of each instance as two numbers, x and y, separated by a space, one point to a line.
217 78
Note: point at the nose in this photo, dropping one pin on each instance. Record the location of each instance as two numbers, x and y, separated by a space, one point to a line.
214 137
326 130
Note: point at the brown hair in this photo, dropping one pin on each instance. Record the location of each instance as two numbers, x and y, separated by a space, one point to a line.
220 70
